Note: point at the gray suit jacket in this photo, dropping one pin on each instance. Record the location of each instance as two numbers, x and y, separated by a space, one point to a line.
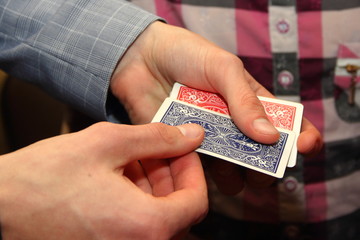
69 47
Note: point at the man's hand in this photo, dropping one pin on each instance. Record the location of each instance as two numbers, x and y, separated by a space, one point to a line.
85 185
165 54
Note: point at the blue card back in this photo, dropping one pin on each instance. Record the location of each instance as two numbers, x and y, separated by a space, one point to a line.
224 140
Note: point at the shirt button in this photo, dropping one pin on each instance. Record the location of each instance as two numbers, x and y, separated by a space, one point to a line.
285 78
282 26
290 184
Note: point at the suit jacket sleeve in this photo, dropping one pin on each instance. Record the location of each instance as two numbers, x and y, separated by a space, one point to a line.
70 47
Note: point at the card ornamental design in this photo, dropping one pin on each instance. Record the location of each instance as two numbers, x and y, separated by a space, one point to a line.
207 100
223 138
280 115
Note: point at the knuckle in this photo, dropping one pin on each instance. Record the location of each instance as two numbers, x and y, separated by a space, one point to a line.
231 59
104 133
251 101
165 133
99 126
227 59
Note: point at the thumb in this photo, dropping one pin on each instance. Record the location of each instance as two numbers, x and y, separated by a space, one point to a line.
122 144
239 89
249 115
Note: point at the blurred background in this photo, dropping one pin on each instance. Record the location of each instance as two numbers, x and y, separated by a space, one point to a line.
28 115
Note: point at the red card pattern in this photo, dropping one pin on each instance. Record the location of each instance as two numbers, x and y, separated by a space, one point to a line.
203 99
281 115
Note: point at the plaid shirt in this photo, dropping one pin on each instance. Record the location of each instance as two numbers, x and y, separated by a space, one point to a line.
70 47
297 50
294 49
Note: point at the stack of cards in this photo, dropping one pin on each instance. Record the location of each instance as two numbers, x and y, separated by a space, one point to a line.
224 140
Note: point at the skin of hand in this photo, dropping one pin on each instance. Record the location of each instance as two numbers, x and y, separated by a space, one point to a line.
83 186
164 54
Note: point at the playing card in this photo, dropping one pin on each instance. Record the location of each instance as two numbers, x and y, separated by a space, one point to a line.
283 114
208 100
224 140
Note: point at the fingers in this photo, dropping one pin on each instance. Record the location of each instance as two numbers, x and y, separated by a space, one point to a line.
258 180
122 144
239 89
188 173
310 141
228 177
137 175
158 174
249 115
166 175
188 203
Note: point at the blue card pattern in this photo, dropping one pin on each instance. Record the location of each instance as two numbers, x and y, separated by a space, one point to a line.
223 138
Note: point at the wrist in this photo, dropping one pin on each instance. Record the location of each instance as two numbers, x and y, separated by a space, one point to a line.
4 172
7 177
3 190
131 75
137 49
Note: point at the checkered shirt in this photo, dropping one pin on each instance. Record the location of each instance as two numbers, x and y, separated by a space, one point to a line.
69 47
297 50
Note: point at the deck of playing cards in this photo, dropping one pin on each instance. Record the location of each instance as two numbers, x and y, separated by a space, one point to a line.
224 140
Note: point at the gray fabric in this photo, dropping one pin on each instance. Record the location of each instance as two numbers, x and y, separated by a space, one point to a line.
339 5
283 2
287 62
69 47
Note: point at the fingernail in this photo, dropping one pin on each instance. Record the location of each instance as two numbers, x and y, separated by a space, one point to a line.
263 126
190 130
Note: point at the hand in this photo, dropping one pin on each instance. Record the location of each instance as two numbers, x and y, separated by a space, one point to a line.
225 173
78 186
164 54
